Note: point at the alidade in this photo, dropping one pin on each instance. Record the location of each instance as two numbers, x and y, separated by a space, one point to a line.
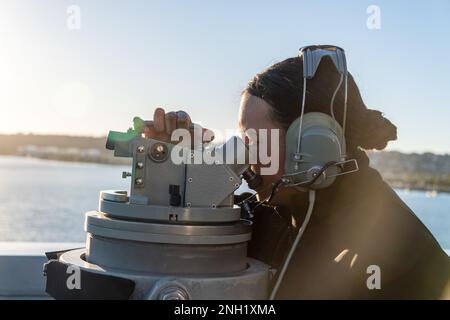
176 234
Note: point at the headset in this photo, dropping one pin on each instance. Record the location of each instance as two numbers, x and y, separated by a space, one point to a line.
315 143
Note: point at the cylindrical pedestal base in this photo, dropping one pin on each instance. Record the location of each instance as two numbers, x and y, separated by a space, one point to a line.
251 283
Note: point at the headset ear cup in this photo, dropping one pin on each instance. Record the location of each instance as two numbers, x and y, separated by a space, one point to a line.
321 145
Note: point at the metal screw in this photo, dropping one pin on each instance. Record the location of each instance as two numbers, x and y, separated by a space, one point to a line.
189 179
139 165
159 152
231 179
188 204
236 185
139 181
141 149
173 293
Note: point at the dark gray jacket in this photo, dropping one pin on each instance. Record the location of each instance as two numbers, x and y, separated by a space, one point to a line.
357 223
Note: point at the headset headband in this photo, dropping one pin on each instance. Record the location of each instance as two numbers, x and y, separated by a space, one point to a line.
312 56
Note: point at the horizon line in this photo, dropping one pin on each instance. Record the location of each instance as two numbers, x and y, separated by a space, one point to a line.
94 136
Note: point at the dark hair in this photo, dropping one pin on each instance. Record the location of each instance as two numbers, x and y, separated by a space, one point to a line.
281 86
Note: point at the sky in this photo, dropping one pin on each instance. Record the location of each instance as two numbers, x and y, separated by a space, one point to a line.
129 57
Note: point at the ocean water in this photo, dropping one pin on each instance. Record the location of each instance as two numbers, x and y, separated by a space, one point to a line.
45 201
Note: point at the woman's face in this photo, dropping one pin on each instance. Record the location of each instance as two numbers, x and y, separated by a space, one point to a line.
255 114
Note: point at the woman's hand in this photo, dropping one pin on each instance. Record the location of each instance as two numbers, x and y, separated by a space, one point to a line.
164 124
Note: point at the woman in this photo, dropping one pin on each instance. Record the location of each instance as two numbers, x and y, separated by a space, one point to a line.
362 241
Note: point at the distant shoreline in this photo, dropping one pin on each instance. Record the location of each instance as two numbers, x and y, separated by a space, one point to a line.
126 162
102 161
423 172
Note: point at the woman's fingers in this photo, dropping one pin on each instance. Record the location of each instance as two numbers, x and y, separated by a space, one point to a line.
147 131
159 120
207 135
183 120
151 133
170 122
164 124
